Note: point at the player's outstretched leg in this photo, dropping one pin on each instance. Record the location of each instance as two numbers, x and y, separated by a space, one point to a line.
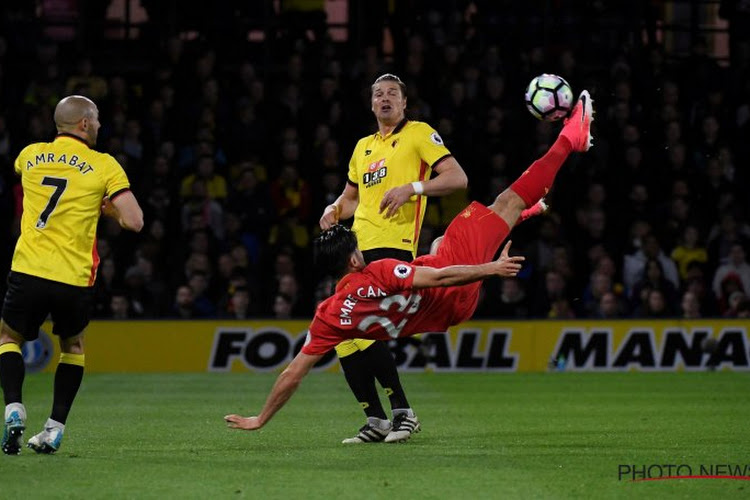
49 440
537 180
15 424
577 127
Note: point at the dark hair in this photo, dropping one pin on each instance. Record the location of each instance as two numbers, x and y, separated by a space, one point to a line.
333 248
389 77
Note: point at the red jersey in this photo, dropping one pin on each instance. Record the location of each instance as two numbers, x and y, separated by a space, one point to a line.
379 303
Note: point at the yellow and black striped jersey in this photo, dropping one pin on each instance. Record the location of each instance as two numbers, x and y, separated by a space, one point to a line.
63 183
378 164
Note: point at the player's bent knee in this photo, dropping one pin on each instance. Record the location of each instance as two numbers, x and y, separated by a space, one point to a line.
72 345
8 335
508 205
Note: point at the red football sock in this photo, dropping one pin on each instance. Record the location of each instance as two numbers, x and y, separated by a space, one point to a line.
537 180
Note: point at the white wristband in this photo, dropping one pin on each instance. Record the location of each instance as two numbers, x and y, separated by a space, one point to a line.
418 187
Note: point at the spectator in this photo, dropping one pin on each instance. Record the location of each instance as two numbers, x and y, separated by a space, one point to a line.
184 306
610 307
105 286
724 234
599 285
85 82
655 306
251 201
282 306
216 185
119 306
688 250
512 301
743 308
690 305
736 266
554 288
735 300
202 212
635 263
291 194
697 284
653 279
239 304
205 306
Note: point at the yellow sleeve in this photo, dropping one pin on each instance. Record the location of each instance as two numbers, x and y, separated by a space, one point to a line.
115 178
430 144
17 164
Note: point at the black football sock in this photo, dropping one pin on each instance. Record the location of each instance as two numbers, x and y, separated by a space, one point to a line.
68 377
12 372
381 361
362 383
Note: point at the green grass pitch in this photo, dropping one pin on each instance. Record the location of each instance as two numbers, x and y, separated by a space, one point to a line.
551 435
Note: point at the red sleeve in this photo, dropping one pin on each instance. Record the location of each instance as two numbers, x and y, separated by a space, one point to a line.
320 339
393 275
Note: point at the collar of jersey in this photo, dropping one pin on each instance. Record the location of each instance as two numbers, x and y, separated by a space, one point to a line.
396 130
64 135
343 283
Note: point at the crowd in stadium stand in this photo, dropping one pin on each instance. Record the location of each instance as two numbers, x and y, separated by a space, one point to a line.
233 155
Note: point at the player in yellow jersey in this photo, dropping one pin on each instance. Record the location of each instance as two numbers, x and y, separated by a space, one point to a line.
389 179
66 186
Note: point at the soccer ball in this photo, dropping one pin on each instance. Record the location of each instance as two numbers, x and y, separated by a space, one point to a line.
549 97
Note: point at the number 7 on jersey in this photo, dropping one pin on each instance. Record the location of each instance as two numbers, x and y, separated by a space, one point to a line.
59 183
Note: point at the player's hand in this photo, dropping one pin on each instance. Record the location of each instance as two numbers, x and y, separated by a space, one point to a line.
508 266
244 423
330 217
394 198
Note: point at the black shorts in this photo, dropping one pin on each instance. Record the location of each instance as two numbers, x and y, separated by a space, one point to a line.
29 300
386 253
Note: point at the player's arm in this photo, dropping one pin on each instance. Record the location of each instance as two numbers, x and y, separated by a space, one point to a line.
124 208
449 177
341 209
430 277
286 384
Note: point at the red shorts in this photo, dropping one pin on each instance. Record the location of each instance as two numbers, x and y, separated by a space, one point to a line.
473 237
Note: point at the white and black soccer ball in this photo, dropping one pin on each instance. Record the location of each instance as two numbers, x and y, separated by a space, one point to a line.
549 97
